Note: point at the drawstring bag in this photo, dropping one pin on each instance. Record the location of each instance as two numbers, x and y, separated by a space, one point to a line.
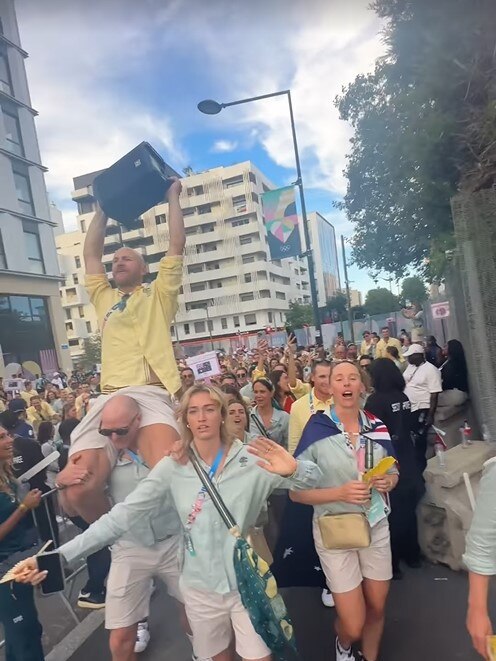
256 584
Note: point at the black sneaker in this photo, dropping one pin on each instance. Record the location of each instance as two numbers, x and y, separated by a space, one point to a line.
91 600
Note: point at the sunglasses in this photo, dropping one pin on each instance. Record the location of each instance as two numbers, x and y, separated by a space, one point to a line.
119 431
241 375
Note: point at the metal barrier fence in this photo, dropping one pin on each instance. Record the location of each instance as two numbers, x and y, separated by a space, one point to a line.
50 505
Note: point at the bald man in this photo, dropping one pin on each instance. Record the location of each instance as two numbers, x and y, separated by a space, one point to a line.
137 355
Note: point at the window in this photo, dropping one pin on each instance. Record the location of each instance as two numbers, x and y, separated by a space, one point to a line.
78 262
198 286
232 181
210 325
13 132
186 329
189 231
213 266
239 203
81 312
247 277
216 284
5 79
280 295
75 279
249 296
248 259
74 343
240 221
245 240
204 208
250 319
83 226
160 219
189 211
264 293
236 322
69 326
223 323
23 190
199 326
208 247
3 257
86 206
68 313
88 327
195 190
195 268
208 227
254 197
252 177
33 247
265 188
269 316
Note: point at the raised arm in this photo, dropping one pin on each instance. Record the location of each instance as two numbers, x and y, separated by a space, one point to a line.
93 244
177 234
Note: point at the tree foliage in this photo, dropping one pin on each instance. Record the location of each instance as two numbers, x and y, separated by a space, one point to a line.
92 351
299 315
413 290
381 301
425 126
337 306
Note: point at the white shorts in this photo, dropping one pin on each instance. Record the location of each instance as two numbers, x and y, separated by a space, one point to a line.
345 570
156 408
129 581
212 618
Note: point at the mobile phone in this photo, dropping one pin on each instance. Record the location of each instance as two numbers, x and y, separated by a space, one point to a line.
51 563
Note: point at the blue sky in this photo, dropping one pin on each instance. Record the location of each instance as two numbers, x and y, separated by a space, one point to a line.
107 74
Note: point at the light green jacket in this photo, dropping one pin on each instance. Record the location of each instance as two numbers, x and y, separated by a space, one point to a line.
480 549
243 485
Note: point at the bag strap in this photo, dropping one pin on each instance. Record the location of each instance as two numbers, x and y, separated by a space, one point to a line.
260 425
225 514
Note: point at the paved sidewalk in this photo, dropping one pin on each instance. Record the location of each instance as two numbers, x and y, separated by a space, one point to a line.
425 620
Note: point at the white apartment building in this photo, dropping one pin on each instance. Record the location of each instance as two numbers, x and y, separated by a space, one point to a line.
32 333
230 284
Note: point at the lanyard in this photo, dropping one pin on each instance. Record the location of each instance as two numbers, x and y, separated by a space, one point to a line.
135 458
198 504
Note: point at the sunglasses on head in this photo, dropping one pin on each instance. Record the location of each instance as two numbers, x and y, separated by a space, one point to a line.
119 431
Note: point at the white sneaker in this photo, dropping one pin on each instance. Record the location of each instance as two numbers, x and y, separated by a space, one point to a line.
327 599
344 655
194 657
142 637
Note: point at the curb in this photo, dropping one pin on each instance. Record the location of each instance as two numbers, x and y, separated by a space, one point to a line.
73 641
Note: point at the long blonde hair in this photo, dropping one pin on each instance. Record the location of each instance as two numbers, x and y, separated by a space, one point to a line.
218 396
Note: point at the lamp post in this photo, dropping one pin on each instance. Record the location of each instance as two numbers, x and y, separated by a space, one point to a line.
208 325
210 107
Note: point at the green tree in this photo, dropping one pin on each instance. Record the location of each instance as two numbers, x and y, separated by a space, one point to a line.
299 314
92 351
337 306
413 290
425 126
380 301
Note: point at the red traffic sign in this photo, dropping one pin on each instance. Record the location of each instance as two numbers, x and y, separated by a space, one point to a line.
440 310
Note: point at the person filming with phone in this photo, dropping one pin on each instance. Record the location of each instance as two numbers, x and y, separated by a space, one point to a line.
17 534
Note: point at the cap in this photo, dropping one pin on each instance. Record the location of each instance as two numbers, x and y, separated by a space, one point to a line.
17 405
413 349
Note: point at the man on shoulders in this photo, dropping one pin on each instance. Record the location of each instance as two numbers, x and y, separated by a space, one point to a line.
137 355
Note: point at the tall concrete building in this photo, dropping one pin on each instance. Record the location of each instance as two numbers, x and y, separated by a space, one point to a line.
325 255
32 332
230 285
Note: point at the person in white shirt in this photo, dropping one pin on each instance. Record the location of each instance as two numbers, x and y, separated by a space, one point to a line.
423 385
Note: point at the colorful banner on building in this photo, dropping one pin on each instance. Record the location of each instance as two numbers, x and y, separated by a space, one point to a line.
281 221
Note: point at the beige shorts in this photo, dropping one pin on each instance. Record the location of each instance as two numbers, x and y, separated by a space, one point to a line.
129 581
156 408
212 618
345 570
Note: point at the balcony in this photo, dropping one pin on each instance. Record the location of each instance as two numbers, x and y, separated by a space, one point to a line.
76 328
82 193
133 235
74 295
112 240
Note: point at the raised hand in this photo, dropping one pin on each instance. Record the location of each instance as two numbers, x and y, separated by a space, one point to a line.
273 457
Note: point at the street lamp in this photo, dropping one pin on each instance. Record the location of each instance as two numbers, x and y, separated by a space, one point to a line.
208 324
211 107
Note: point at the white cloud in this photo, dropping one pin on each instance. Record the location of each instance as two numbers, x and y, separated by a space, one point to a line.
224 146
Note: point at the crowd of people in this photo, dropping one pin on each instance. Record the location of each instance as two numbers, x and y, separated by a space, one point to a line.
312 420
